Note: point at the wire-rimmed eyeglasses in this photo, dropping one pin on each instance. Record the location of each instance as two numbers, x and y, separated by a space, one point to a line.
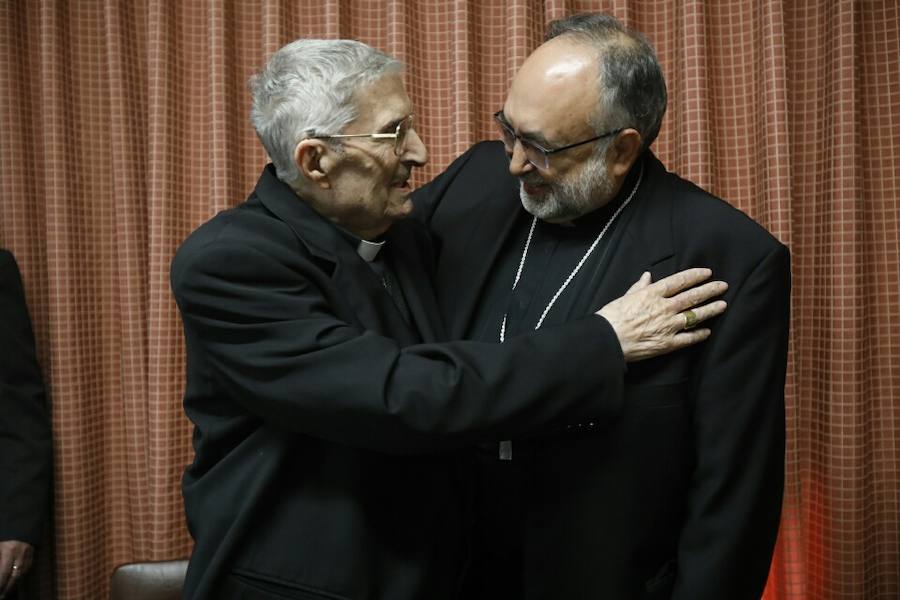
534 152
399 135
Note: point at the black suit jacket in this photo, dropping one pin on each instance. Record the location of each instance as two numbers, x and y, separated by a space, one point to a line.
320 414
25 444
680 497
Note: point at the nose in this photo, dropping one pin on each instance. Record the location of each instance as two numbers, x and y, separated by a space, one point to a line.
414 150
519 164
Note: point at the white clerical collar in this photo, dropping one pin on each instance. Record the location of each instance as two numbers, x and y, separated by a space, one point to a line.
369 250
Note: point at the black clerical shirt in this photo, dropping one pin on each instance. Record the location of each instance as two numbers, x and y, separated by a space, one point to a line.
554 252
503 485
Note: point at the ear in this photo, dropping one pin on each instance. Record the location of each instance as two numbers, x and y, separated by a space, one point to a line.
313 158
624 151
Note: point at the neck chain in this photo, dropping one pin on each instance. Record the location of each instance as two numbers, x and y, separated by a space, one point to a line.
577 267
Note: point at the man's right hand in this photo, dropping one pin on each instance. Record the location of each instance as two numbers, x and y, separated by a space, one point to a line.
15 560
650 319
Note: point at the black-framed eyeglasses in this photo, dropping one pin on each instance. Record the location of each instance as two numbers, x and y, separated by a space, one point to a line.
534 152
399 135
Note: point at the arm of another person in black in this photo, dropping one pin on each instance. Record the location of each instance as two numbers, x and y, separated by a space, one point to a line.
25 442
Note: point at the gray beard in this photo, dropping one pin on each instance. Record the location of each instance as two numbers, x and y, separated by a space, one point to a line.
574 197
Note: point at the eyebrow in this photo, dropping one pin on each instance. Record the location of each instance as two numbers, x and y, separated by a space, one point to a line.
391 125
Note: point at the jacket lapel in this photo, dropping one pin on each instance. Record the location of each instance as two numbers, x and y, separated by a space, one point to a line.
361 289
409 255
642 241
479 240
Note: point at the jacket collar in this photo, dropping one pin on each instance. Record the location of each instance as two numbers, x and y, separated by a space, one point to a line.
642 241
650 226
362 288
320 237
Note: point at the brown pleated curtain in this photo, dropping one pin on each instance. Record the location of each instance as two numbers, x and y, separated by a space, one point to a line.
124 126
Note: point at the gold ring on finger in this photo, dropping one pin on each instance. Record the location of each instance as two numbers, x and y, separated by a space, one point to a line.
690 319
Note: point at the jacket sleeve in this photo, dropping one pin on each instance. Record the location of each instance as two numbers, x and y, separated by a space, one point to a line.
735 494
25 444
269 340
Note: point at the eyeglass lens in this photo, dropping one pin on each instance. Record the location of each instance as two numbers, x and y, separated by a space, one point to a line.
534 155
402 130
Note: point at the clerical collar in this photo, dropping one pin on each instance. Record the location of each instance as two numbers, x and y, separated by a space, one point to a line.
369 250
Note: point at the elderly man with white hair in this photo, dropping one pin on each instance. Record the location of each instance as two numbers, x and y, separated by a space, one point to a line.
326 414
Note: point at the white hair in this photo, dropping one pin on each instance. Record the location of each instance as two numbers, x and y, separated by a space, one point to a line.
307 89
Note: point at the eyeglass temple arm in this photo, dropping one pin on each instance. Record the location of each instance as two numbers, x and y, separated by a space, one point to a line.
356 135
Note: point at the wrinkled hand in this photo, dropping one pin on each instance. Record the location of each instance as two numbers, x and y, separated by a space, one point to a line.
649 319
13 553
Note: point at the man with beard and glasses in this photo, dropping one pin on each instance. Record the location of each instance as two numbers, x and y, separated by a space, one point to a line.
323 408
680 496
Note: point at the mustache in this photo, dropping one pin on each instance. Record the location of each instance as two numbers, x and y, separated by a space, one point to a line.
403 176
532 179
